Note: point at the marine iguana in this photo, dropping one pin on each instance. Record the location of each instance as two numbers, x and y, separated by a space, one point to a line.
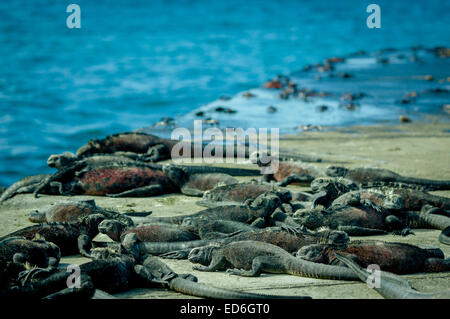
389 286
358 220
288 172
398 258
369 175
206 228
67 159
153 270
240 193
395 198
25 185
327 189
119 179
114 179
196 184
146 233
71 238
256 213
73 210
34 252
114 273
251 258
274 235
19 257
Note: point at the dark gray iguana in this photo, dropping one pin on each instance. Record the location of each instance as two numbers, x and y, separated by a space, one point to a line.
157 148
240 193
274 235
195 184
71 238
146 233
389 286
255 213
364 176
25 185
251 258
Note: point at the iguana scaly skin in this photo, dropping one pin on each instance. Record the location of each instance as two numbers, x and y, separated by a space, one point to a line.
157 148
389 287
125 142
113 274
261 208
399 258
71 238
356 221
115 179
287 172
369 175
25 185
196 184
35 252
251 258
153 270
275 236
18 255
206 228
394 199
146 233
240 193
73 211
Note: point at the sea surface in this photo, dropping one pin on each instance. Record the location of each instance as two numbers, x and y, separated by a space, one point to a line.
134 62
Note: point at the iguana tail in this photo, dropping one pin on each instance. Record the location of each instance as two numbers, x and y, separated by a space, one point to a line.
192 288
390 285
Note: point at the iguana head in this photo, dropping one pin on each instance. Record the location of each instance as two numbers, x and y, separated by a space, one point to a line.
112 228
314 253
311 219
36 216
202 255
175 173
336 171
334 237
60 161
394 202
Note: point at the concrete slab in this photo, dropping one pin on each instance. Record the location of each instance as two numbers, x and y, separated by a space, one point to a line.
420 150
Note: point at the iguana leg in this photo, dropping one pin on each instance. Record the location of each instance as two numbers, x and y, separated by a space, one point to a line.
86 290
259 223
35 273
361 231
189 191
85 245
320 198
218 262
296 178
261 263
397 226
444 237
157 153
177 254
145 191
437 265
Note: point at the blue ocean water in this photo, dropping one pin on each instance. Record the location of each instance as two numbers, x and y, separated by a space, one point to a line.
133 62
